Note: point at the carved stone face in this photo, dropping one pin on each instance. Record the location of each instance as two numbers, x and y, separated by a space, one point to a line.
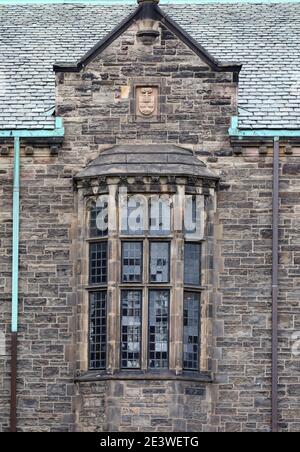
147 100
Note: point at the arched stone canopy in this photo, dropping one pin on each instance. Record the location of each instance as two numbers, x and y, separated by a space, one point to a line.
133 160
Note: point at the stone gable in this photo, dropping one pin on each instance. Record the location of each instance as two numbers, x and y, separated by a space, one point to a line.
195 103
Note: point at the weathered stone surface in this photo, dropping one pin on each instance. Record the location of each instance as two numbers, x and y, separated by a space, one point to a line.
195 109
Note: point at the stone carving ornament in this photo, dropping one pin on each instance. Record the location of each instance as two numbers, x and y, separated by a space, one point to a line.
147 101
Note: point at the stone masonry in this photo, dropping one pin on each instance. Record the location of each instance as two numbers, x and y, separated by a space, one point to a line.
195 107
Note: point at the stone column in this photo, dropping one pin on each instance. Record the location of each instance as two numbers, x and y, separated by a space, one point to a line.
80 249
113 308
177 275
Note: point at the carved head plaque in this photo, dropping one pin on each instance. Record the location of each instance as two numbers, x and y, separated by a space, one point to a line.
147 101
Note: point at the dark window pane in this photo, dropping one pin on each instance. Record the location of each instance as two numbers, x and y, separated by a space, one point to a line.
99 220
131 311
97 340
158 329
132 259
98 263
191 331
192 264
159 262
160 215
134 216
190 214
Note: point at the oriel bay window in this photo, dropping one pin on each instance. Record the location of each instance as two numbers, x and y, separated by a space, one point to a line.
148 272
148 269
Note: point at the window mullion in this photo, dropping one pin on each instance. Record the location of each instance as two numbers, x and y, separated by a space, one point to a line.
113 296
177 274
145 316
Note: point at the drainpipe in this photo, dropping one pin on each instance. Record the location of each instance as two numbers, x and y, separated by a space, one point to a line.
15 285
275 254
57 132
275 135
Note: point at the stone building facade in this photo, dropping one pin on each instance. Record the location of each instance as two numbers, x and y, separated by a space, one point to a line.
174 141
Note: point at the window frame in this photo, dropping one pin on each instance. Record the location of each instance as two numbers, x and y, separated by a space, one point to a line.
157 283
140 290
95 237
97 242
160 369
122 242
200 245
199 293
145 286
90 293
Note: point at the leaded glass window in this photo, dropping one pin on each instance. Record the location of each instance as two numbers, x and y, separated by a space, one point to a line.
152 287
191 331
98 263
131 311
160 215
99 219
132 262
158 329
159 262
98 330
134 215
192 264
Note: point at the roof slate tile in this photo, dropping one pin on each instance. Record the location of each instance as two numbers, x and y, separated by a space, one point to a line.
263 37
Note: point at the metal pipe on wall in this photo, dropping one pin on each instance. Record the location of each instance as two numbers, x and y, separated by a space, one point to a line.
275 261
15 285
57 134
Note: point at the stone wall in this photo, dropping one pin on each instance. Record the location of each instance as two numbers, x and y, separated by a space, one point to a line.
243 306
158 406
195 109
46 303
98 104
195 105
5 285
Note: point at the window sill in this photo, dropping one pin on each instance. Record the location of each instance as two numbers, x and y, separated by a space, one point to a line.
94 375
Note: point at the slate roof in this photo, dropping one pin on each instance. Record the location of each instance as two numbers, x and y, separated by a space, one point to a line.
148 159
263 37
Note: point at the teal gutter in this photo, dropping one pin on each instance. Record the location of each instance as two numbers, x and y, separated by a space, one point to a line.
16 232
17 135
235 131
58 131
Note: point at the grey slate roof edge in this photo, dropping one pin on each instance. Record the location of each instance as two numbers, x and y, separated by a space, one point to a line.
264 37
154 12
100 46
139 159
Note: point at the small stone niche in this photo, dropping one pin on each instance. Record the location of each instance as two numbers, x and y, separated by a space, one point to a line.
148 32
